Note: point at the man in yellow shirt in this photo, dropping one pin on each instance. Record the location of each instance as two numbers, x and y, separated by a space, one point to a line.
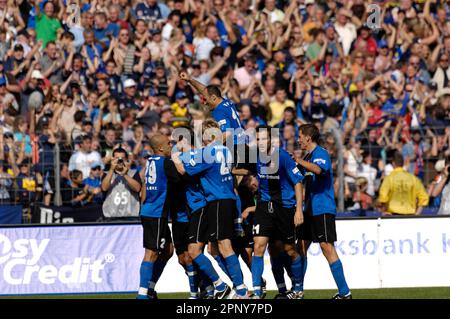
278 106
402 193
180 109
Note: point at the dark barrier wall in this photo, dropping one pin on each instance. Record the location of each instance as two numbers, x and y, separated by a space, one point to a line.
10 214
61 214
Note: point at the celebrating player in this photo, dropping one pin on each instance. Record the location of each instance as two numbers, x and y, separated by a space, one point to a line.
158 178
279 209
214 164
320 207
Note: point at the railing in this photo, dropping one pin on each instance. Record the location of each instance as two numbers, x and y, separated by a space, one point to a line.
61 155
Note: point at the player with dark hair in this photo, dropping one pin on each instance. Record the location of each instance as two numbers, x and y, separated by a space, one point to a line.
159 177
320 207
213 165
279 209
226 115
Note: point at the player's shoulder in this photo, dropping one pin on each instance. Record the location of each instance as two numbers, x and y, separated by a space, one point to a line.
227 103
283 153
285 157
320 156
319 151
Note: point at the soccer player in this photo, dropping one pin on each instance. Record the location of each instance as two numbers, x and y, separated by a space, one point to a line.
159 177
180 227
279 208
213 165
320 207
224 112
243 246
197 228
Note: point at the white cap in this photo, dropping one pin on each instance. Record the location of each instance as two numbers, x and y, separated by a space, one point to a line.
440 165
36 74
128 83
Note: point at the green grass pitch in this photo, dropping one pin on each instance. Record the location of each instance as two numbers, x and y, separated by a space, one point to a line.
385 293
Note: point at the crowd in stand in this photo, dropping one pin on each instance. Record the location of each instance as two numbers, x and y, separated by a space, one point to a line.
83 76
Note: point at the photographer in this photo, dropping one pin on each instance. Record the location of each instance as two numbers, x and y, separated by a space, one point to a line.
442 189
122 187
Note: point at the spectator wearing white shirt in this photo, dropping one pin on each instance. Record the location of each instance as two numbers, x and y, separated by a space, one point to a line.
156 46
369 172
83 159
442 74
346 30
273 12
203 46
172 23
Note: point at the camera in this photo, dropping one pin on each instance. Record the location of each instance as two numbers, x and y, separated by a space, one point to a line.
120 160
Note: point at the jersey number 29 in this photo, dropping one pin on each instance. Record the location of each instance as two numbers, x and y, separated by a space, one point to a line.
151 173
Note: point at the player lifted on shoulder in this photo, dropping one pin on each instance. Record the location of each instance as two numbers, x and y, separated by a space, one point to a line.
320 207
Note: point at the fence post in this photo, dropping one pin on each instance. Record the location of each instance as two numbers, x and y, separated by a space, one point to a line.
57 199
340 167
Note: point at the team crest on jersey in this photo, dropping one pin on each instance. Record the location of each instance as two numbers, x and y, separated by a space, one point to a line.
320 161
295 170
192 162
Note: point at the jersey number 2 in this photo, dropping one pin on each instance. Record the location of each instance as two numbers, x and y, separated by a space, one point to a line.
224 169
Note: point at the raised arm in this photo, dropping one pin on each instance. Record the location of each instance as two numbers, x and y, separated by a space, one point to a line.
221 63
200 88
37 7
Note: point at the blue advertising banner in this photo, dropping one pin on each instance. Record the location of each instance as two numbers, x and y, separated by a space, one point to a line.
77 259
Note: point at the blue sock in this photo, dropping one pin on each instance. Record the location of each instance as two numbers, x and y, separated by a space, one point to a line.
222 264
338 274
234 269
205 282
304 265
157 272
206 266
287 262
145 272
296 268
277 263
193 282
257 271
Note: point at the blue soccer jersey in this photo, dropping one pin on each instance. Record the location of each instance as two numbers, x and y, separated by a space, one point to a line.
276 184
228 118
213 165
194 192
319 190
160 176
